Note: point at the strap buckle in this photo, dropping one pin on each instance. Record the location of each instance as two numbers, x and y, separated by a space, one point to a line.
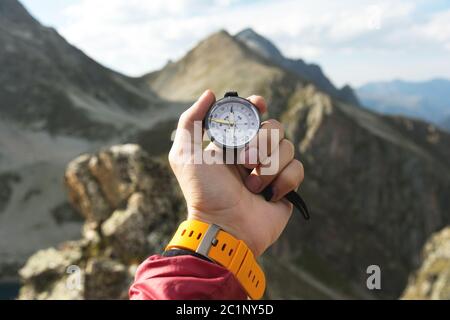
209 239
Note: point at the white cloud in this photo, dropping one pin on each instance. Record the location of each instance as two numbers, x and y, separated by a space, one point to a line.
136 36
437 28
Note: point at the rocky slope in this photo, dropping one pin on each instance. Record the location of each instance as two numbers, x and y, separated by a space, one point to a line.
386 191
432 279
55 103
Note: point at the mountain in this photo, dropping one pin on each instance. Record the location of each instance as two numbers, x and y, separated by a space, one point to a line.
428 100
55 103
310 72
366 166
48 84
445 123
212 64
218 70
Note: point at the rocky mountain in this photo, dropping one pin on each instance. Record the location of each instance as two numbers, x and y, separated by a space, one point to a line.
213 64
427 100
368 167
310 72
55 103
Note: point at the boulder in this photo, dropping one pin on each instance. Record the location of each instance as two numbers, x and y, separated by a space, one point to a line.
123 195
85 193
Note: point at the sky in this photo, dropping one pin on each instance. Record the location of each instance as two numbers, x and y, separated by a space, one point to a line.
354 42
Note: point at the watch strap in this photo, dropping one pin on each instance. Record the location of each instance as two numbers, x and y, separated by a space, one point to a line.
182 252
221 247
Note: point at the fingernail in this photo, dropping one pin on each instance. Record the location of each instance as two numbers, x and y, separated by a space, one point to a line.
267 193
253 183
204 94
274 197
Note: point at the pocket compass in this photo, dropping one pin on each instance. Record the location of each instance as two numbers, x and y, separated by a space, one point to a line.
232 122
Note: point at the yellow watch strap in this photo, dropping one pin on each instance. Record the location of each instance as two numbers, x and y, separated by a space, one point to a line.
221 247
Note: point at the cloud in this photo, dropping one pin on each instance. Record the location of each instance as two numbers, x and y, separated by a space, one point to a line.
437 28
136 36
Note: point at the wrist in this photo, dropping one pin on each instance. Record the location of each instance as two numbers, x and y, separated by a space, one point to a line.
232 227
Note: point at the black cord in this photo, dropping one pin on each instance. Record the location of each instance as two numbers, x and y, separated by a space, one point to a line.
292 197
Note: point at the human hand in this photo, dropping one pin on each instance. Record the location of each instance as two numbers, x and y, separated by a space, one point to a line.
228 195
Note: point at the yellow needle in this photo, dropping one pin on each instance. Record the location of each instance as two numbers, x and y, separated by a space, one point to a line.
222 121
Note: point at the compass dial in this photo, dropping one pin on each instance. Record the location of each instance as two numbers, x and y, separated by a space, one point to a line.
232 122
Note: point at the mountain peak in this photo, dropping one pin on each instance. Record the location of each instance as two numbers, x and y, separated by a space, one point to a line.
218 35
259 43
310 72
13 11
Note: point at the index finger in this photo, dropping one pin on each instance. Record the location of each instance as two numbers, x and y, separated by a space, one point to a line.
259 102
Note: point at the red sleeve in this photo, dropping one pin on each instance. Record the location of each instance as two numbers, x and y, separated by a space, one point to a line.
182 278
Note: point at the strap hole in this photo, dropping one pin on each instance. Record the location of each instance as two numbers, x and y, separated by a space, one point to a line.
231 252
257 282
199 235
224 246
250 273
253 280
184 231
191 233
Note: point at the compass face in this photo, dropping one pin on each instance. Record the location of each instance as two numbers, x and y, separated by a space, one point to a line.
232 122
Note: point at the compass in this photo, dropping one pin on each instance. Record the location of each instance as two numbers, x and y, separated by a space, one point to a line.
232 122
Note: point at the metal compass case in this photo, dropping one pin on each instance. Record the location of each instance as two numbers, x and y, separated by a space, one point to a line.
231 123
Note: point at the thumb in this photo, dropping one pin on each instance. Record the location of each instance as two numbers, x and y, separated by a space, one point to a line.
197 111
190 124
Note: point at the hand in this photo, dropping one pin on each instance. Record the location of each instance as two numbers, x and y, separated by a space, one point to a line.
227 195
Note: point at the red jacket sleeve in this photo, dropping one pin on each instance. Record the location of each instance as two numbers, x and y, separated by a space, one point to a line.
182 278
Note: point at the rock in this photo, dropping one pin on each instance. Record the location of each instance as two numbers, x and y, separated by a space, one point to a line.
123 195
45 274
85 194
106 279
117 171
432 279
50 262
126 230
